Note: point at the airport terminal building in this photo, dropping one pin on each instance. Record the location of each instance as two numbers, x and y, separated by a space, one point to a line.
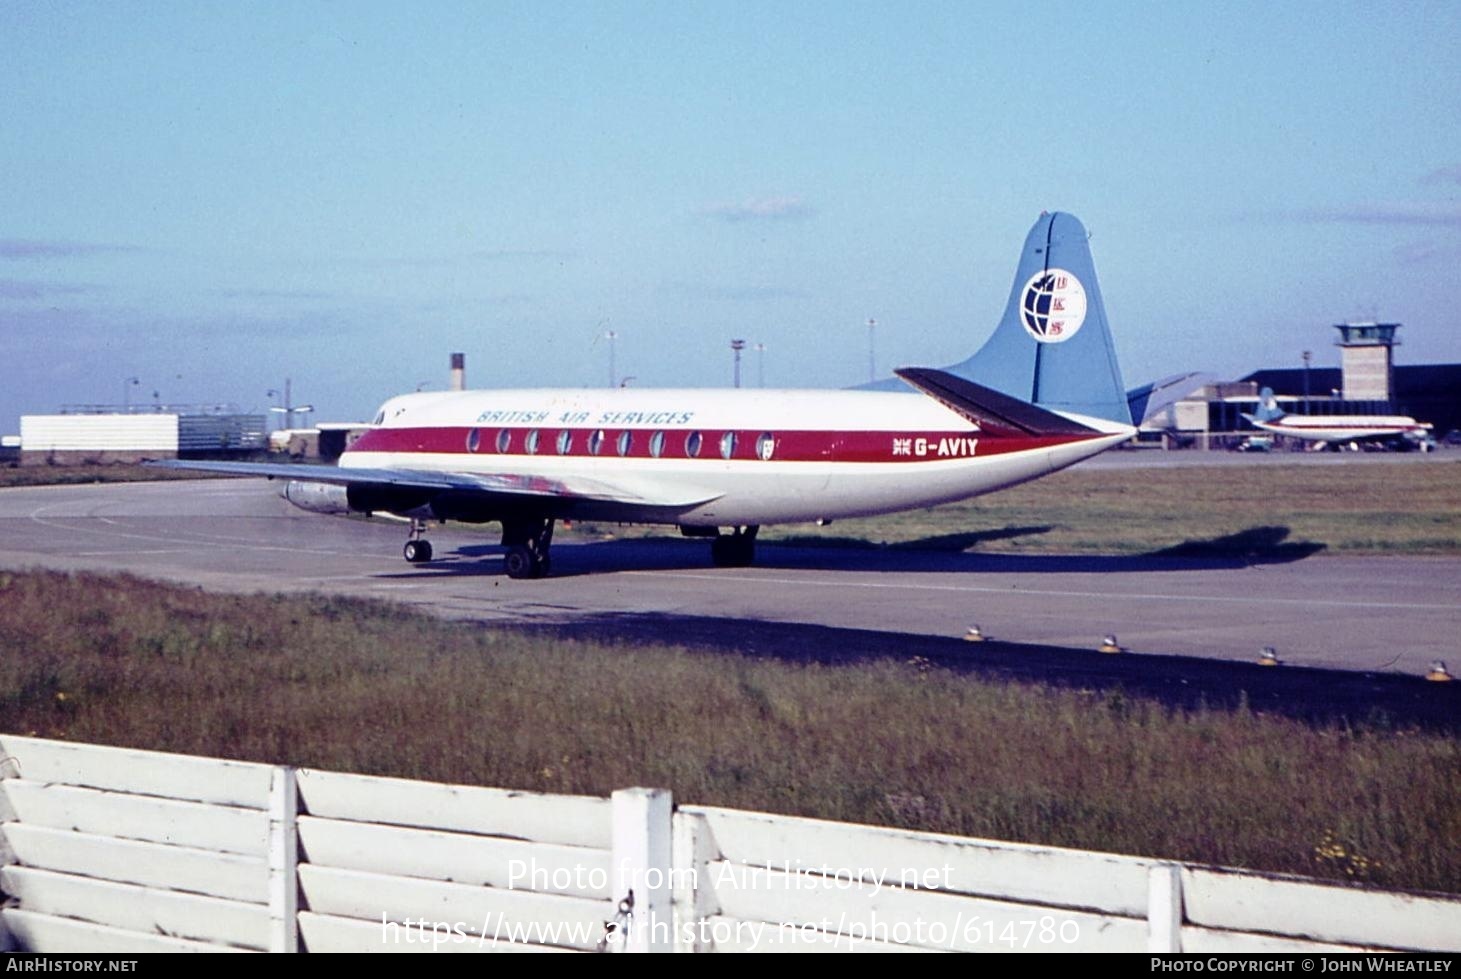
1367 382
104 434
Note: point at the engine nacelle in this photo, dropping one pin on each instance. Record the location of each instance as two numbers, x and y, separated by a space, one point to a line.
316 497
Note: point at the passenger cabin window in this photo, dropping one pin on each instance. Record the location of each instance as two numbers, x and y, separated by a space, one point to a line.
657 444
765 446
596 442
504 439
692 444
474 439
728 445
531 444
565 442
626 442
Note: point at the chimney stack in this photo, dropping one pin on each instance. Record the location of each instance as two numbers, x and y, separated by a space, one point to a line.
458 372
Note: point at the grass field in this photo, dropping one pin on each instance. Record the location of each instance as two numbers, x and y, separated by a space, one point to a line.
1395 507
368 687
92 473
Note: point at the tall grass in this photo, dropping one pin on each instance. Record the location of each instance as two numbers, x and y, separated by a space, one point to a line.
1385 507
367 687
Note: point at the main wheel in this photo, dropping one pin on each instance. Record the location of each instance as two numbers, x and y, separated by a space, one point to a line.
522 564
417 551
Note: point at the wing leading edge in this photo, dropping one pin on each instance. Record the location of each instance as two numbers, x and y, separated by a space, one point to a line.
500 485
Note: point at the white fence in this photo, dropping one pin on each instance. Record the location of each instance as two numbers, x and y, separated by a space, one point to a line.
108 849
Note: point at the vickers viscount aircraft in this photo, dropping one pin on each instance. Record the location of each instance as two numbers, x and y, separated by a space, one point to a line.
1043 393
1334 430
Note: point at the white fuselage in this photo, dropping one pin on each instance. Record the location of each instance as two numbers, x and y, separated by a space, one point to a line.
718 458
1341 428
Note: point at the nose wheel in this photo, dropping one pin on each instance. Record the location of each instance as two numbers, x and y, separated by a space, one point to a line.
418 548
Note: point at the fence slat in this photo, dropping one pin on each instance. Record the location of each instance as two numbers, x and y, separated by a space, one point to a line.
480 912
563 819
103 813
724 934
1314 911
177 868
953 922
229 783
511 864
44 933
1212 941
1077 879
322 933
138 909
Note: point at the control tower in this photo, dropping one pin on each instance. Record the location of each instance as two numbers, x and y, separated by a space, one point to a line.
1366 362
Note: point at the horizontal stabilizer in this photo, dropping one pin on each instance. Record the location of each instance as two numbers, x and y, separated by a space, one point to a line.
989 409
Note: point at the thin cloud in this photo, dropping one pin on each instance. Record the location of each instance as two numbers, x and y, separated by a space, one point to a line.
23 248
737 293
272 294
1445 175
787 208
1426 253
17 289
536 254
1424 215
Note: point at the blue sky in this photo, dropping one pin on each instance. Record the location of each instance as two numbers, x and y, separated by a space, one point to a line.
212 197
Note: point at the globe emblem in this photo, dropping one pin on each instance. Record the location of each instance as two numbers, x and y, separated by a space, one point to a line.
1052 306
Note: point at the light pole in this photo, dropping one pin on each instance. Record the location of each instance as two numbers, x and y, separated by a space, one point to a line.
127 384
611 336
1308 355
872 361
761 365
736 347
288 409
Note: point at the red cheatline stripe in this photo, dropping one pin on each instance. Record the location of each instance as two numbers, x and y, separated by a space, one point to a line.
792 446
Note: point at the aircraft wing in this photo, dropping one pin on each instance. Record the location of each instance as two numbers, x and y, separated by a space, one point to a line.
503 485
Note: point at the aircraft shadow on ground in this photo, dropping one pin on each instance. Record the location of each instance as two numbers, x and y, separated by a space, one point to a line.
946 553
1308 694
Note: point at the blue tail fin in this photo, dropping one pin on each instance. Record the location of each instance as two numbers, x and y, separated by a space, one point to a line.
1053 345
1268 408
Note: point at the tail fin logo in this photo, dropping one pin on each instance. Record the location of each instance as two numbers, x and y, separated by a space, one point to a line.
1052 306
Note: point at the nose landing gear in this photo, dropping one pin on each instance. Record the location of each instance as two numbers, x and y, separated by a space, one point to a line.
418 548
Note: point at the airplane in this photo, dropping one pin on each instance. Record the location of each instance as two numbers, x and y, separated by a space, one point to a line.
1334 430
1043 393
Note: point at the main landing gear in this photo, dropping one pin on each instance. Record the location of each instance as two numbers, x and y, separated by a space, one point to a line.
734 550
527 542
418 548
